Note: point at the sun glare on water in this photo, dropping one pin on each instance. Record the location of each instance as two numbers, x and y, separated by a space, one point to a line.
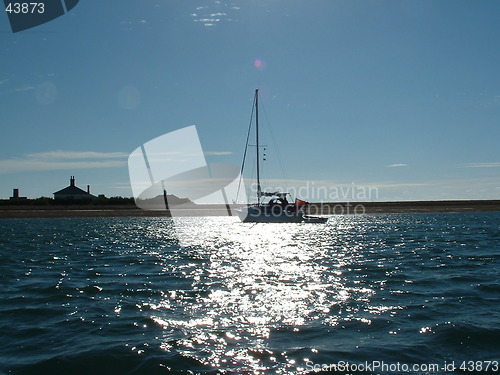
260 278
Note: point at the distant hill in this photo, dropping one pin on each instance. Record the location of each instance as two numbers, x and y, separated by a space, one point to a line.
158 202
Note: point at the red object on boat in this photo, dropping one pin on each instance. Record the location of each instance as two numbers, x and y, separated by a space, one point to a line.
300 202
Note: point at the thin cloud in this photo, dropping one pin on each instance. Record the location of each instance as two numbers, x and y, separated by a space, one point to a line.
480 165
61 160
25 88
314 184
218 153
130 25
20 165
47 75
397 165
446 189
122 185
72 155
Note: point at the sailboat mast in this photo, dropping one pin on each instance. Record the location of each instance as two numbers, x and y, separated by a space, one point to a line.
259 191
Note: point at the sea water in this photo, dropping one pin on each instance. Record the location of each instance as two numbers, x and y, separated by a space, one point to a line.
213 295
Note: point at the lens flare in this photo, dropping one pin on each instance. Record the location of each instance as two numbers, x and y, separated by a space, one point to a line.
259 64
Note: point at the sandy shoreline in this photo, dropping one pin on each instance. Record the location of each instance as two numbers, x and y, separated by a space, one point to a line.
332 208
405 207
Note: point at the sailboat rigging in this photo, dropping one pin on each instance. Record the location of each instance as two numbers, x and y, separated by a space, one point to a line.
278 209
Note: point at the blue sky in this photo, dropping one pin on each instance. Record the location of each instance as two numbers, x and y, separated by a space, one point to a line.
402 95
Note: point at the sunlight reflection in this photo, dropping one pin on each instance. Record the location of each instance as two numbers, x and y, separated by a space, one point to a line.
252 280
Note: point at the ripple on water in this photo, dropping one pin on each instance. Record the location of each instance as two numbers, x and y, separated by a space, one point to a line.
123 295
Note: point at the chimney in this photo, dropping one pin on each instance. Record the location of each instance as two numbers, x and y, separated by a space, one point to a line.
88 189
15 194
72 181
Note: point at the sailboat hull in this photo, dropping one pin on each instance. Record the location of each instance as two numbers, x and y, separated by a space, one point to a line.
262 214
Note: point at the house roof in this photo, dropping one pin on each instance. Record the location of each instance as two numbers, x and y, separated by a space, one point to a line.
72 190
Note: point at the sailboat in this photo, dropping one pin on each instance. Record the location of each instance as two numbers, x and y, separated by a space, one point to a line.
278 208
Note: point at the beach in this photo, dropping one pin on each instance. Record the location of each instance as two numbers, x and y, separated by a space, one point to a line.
321 208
